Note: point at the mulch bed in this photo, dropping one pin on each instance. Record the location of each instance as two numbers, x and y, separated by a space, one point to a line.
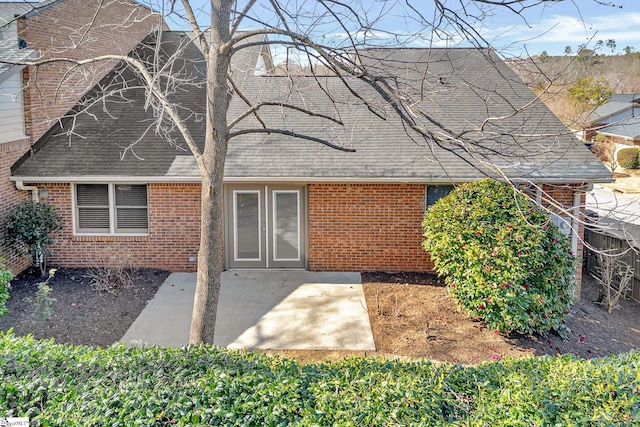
79 314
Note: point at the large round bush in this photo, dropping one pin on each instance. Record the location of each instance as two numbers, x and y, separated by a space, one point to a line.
628 158
502 257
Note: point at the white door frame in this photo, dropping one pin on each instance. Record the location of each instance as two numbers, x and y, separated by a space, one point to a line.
267 224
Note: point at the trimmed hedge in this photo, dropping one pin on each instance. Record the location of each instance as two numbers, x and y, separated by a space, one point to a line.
628 158
65 385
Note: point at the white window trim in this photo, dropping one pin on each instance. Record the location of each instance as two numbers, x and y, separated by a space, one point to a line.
112 212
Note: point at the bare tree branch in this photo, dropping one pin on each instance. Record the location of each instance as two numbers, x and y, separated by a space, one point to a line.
293 134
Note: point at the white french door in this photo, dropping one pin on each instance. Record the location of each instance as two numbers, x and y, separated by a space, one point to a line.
266 227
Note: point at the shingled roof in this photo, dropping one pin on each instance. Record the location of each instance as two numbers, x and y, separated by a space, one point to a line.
617 103
460 89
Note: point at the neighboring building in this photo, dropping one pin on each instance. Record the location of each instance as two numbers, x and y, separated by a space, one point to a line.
618 120
32 100
294 203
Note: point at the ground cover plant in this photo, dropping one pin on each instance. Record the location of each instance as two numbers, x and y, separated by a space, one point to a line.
502 258
65 385
5 280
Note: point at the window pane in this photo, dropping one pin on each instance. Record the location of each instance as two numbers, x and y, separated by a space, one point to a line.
436 192
132 218
92 195
131 195
92 201
285 223
247 225
96 219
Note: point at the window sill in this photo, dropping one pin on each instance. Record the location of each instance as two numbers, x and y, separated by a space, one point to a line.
110 237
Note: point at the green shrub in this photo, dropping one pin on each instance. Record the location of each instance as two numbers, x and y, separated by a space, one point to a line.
204 385
42 303
502 258
5 279
28 230
589 91
628 158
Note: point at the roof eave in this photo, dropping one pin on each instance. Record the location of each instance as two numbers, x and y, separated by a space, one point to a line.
296 179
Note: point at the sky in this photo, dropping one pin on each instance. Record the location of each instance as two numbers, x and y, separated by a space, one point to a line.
569 23
549 28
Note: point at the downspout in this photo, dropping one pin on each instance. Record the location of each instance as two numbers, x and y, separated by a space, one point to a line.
34 190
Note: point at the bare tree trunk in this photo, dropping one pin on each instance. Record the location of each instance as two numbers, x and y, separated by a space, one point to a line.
210 256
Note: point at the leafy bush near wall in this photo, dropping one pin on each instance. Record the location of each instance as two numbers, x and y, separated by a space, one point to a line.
64 385
629 158
502 257
5 279
28 230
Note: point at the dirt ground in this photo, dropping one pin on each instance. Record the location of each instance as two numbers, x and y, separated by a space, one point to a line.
412 316
79 314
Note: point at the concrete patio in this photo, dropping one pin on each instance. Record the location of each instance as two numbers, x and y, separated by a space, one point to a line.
264 309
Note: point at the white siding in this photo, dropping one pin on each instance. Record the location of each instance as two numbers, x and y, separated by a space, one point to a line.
11 107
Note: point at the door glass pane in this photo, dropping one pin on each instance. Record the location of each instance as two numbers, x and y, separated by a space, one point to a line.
247 225
286 223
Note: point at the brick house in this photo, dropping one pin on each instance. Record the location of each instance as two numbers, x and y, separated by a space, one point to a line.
31 101
293 203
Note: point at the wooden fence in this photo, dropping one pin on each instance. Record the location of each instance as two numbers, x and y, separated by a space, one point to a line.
607 241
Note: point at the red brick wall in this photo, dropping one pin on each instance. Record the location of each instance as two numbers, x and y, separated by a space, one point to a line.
174 231
366 227
351 227
9 197
66 30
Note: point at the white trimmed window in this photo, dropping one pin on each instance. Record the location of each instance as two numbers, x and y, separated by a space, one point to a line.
111 209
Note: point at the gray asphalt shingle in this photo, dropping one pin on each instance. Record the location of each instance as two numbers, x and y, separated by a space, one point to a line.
462 89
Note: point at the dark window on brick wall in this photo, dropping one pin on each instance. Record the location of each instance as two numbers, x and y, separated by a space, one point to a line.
436 192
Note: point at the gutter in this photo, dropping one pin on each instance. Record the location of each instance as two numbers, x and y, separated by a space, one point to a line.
97 179
34 190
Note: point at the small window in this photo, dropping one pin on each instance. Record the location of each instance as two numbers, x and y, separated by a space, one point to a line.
436 192
131 208
92 208
111 209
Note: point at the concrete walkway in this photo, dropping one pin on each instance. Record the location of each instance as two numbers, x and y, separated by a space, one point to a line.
264 309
